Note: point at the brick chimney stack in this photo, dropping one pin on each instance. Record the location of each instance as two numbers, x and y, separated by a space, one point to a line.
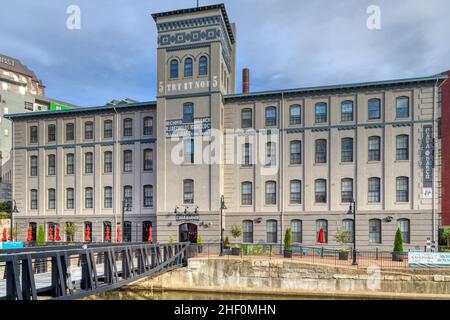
245 80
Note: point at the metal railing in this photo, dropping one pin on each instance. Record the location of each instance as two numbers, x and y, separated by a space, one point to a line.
76 271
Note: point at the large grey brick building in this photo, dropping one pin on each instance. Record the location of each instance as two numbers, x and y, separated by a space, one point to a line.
281 159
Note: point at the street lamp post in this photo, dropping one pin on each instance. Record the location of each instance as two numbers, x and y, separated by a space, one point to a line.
222 207
13 210
352 210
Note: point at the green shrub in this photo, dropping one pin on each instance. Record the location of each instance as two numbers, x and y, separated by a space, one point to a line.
5 206
288 240
444 235
236 232
226 243
170 239
41 235
199 240
398 243
259 249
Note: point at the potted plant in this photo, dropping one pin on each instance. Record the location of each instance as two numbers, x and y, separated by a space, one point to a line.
41 236
397 254
236 233
199 244
70 229
15 233
226 243
343 237
170 240
288 243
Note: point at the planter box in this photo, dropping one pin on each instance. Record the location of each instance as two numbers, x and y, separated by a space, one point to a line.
397 256
236 251
288 253
343 255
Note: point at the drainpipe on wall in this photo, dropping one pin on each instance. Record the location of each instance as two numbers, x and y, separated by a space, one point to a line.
281 165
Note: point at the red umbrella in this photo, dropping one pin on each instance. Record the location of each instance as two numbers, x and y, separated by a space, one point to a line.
88 234
4 239
321 236
30 235
50 234
58 236
118 238
107 234
150 234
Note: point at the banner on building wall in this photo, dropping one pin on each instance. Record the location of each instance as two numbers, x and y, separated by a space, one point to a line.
427 160
178 128
429 259
187 217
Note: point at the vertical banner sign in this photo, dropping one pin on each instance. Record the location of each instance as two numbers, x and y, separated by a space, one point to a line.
427 160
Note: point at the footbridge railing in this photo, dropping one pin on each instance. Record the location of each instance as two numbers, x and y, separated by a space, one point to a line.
74 272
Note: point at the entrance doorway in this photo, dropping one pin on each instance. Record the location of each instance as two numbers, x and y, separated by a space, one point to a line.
188 233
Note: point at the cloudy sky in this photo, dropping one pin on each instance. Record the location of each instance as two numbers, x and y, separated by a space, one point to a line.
285 43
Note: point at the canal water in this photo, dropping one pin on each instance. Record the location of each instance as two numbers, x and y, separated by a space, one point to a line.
183 295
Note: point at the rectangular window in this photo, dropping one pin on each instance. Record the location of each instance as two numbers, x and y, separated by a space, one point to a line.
188 113
271 116
374 149
148 126
322 224
271 154
271 193
89 162
347 111
128 196
33 134
374 190
296 228
272 236
247 154
321 113
107 129
89 130
51 165
70 198
374 109
51 133
188 191
127 161
375 231
51 199
108 162
296 192
346 190
247 194
89 198
246 120
148 160
296 152
34 166
402 152
404 226
295 115
403 107
128 128
321 151
70 165
402 186
321 191
189 151
347 150
33 199
347 225
247 232
70 132
148 196
108 197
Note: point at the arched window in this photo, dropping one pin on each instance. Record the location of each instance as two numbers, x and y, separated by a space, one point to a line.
70 163
70 198
320 189
188 112
297 232
402 188
203 66
247 192
296 152
246 118
295 114
321 112
87 234
402 110
51 133
375 231
374 148
128 127
173 69
89 162
374 109
347 111
374 190
108 203
107 129
33 166
402 147
347 225
188 67
107 231
188 191
89 198
347 150
148 196
33 227
321 151
51 171
127 161
271 116
296 192
70 132
51 199
247 231
322 224
88 130
247 154
148 160
146 225
272 234
346 190
271 192
404 226
107 162
148 126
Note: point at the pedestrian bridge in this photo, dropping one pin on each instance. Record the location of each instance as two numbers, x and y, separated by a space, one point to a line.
77 271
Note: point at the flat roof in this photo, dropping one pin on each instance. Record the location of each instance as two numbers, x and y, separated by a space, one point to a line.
220 6
77 110
338 86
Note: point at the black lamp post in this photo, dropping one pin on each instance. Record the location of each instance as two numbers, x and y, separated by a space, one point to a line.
126 206
222 207
13 210
352 210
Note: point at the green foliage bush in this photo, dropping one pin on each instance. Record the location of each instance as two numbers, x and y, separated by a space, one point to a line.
288 240
41 235
398 242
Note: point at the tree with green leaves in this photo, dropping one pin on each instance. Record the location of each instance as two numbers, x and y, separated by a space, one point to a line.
398 243
41 235
288 240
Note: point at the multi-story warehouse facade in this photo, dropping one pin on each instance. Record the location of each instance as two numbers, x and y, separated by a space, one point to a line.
263 161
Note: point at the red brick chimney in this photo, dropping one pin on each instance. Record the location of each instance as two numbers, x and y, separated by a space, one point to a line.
245 80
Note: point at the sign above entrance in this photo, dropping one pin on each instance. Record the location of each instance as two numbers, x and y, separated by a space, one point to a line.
189 216
188 86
